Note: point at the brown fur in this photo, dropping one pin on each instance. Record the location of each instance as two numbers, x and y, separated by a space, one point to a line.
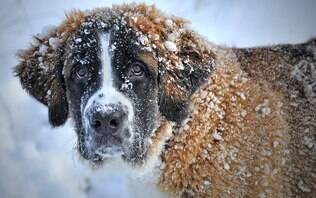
252 129
152 23
262 151
32 70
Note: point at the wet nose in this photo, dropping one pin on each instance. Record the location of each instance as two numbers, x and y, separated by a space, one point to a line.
108 120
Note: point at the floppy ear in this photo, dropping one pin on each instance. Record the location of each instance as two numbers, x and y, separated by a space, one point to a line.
177 85
41 65
57 103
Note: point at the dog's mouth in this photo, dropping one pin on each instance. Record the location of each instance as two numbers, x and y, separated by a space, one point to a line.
105 153
99 149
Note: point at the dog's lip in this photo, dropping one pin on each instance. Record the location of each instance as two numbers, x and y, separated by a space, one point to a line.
106 152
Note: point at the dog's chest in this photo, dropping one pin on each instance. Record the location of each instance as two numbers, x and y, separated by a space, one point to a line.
142 181
142 188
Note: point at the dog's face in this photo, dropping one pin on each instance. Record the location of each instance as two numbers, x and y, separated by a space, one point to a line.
116 79
112 87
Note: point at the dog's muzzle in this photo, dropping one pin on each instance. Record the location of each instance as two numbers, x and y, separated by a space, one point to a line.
108 121
107 131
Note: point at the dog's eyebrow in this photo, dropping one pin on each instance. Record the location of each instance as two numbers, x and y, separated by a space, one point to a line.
149 59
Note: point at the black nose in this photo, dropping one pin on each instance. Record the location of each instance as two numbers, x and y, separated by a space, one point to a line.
108 120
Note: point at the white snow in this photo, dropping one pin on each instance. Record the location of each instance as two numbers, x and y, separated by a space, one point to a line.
35 42
303 187
143 40
49 92
107 152
54 42
308 142
39 161
217 136
43 49
78 40
226 166
263 109
169 23
171 46
173 36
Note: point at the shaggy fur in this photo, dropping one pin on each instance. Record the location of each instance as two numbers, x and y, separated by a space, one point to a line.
233 122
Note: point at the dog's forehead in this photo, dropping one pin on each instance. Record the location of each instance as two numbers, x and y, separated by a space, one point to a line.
85 47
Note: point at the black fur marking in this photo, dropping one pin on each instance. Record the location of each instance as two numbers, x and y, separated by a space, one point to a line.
194 74
57 105
142 92
146 92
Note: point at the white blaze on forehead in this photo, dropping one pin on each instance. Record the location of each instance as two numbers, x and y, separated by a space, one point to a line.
106 60
107 94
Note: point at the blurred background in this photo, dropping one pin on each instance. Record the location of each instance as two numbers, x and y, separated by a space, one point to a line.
39 161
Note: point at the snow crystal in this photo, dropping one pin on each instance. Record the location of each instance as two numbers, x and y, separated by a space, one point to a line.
305 72
113 47
35 42
263 109
43 49
303 187
275 144
143 40
135 19
78 40
169 23
107 152
180 66
86 31
126 85
217 136
54 42
116 27
84 61
104 108
173 36
103 25
243 113
226 166
160 59
40 59
186 61
262 195
49 92
308 142
171 46
241 95
207 183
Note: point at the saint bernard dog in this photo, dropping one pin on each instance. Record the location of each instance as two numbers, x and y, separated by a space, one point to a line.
208 120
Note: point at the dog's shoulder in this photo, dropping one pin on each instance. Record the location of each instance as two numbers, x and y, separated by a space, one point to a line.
236 128
248 123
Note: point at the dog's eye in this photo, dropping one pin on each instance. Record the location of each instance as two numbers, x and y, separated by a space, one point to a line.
136 69
82 72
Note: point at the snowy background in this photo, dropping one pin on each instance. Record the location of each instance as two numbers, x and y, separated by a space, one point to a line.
38 161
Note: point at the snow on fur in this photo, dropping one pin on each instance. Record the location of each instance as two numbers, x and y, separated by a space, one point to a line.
241 136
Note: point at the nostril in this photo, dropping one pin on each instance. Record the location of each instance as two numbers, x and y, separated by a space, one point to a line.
114 123
96 124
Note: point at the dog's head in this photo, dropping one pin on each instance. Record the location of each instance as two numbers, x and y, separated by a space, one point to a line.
118 73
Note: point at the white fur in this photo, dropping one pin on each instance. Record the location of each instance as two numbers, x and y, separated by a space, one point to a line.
111 96
143 179
139 185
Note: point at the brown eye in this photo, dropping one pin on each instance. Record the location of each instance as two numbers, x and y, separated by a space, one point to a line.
82 72
137 69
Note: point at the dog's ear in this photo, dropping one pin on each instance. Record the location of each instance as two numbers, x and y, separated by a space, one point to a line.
57 103
41 65
176 85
